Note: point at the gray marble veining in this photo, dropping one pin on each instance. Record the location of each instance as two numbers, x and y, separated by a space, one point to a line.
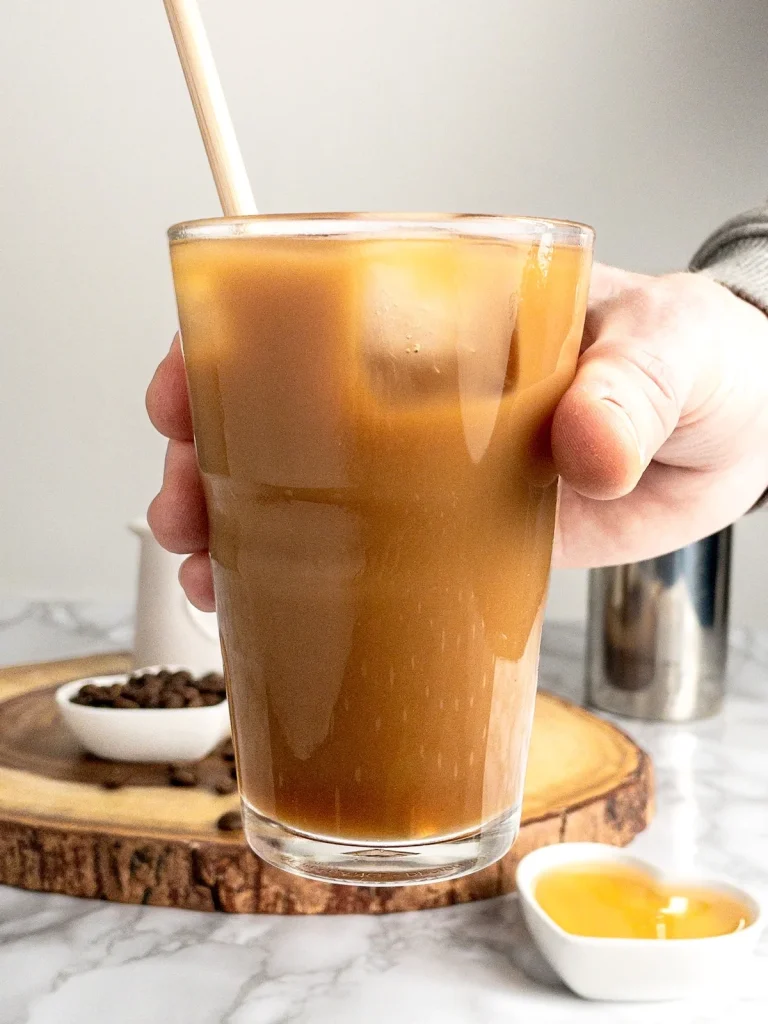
66 961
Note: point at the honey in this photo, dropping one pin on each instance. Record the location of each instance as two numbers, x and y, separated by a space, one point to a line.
616 901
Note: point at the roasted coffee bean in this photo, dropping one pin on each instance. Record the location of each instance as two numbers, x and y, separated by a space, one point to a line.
212 683
162 689
125 702
153 690
225 787
230 821
116 778
182 775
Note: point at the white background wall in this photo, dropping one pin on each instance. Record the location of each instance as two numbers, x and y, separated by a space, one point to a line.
646 118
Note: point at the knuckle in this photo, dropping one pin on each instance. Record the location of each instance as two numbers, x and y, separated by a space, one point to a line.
659 385
659 373
683 294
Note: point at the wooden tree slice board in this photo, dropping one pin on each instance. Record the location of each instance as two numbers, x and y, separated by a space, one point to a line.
63 831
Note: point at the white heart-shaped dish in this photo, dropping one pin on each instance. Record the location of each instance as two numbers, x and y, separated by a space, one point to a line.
634 969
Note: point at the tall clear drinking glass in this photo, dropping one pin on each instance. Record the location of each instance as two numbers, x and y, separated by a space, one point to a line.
372 398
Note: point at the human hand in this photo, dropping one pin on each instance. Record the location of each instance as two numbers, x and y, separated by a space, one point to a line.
661 439
177 516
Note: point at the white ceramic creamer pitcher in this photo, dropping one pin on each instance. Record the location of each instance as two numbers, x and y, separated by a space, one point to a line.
169 630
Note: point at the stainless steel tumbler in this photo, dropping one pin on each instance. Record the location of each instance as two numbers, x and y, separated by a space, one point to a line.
657 633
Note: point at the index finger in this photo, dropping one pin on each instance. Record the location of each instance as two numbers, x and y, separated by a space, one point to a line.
167 397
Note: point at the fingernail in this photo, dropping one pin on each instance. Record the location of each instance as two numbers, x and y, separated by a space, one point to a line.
598 392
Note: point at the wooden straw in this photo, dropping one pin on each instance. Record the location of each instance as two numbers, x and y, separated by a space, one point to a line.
211 110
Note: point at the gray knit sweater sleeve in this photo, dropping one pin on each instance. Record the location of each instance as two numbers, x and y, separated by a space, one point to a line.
736 255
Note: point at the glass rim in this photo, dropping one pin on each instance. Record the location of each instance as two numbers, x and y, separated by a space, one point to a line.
489 226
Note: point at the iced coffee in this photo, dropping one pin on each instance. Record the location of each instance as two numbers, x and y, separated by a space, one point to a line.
372 401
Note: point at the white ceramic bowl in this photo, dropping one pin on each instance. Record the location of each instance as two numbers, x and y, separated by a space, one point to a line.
143 734
634 969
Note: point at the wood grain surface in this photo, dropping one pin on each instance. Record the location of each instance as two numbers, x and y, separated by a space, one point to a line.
64 829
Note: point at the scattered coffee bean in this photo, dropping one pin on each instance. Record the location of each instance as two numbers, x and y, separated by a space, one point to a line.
230 821
182 775
162 689
225 786
215 773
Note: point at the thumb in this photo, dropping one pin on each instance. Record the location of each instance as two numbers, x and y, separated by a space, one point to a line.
639 376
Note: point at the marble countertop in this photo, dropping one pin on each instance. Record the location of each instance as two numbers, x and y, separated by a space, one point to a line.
67 961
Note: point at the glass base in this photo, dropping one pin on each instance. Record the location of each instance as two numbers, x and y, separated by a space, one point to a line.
381 863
